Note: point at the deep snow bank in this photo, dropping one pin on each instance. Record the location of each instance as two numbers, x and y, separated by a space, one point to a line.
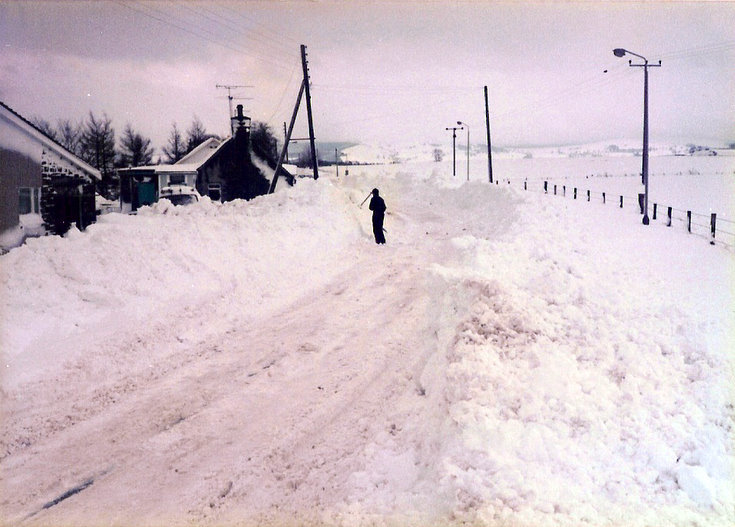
591 380
574 367
588 380
125 270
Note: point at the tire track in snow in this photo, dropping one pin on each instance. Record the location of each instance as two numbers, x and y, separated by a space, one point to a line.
211 437
166 424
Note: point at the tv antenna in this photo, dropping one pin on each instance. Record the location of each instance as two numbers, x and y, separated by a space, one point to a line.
230 98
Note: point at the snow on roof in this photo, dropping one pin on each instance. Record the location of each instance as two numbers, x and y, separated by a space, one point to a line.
32 132
202 153
163 169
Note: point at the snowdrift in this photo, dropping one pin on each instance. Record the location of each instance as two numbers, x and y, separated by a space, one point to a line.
505 360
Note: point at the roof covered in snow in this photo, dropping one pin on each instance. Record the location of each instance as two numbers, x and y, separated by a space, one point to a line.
27 135
188 164
202 153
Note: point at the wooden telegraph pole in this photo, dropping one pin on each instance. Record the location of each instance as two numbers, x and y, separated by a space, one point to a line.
305 66
487 126
454 148
304 89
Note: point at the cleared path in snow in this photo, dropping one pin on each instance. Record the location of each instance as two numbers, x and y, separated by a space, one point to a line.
496 363
268 421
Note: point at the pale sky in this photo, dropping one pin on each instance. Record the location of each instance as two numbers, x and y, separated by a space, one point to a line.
381 72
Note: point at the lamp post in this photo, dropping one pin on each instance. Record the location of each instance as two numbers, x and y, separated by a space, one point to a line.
454 148
468 147
620 52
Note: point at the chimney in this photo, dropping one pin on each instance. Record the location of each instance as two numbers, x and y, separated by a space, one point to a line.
240 122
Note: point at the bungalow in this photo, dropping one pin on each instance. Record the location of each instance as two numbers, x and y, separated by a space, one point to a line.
223 169
43 186
142 185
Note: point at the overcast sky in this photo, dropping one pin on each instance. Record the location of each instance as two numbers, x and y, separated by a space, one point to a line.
380 71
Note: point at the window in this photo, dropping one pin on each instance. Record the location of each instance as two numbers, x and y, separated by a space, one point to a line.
215 192
177 179
28 198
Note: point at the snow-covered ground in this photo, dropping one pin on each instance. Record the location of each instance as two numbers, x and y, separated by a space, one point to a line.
508 358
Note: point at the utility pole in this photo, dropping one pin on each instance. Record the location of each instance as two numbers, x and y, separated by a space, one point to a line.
454 148
489 152
305 66
284 152
287 141
336 161
230 98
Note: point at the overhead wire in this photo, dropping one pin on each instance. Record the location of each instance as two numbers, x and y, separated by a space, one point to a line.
706 49
271 43
258 54
274 33
590 84
283 94
164 18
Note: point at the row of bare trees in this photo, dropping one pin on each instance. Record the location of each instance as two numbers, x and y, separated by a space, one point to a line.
93 140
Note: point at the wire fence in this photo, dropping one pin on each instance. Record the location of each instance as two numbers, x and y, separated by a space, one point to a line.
717 230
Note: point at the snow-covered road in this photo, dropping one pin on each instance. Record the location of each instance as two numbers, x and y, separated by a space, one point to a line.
268 364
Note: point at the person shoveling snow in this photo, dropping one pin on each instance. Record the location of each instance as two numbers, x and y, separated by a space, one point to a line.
377 205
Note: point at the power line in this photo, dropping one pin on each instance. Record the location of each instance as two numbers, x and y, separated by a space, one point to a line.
138 9
254 53
274 33
387 88
706 49
272 44
283 94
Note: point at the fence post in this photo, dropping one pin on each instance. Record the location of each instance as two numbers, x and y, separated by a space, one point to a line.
689 221
575 192
668 224
588 195
712 223
546 187
641 197
621 202
603 198
655 206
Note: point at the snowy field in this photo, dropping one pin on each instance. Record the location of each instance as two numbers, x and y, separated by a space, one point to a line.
508 358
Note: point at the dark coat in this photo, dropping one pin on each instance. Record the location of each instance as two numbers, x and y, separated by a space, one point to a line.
377 205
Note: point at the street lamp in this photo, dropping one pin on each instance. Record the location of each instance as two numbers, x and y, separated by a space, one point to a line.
620 52
468 147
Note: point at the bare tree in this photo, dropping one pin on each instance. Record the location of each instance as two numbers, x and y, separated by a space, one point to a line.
176 147
45 126
196 135
97 147
68 135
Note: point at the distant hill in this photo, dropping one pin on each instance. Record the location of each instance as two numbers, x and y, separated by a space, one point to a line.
391 153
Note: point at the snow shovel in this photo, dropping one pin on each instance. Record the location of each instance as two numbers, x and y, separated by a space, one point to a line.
363 201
